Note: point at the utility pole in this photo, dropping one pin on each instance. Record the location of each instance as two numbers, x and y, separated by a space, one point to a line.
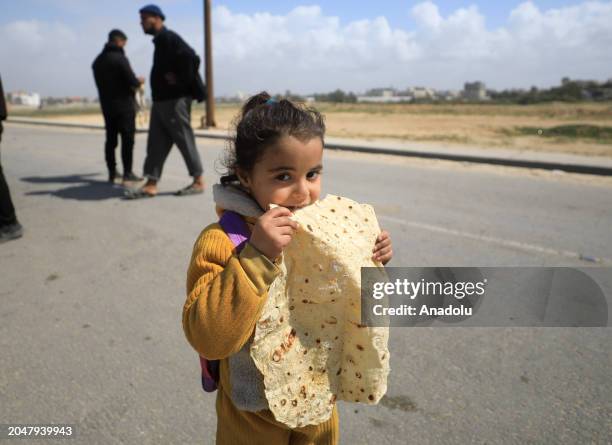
209 120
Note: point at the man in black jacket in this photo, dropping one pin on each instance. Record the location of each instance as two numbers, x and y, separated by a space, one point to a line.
174 84
9 226
116 84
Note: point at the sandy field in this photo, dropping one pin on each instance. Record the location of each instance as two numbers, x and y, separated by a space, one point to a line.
486 125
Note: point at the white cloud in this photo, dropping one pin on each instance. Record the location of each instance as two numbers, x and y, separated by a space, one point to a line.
306 50
53 58
427 14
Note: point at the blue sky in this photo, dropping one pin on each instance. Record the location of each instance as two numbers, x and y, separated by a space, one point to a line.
310 46
396 11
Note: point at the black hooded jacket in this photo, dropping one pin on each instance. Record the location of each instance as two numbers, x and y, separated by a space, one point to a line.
174 67
115 79
2 106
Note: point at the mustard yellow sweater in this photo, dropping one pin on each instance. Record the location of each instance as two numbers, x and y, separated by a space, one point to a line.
225 295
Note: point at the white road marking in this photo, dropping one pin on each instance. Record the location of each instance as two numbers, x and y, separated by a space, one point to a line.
498 241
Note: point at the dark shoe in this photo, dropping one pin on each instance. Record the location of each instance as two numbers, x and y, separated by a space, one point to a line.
10 232
131 177
138 194
192 189
113 176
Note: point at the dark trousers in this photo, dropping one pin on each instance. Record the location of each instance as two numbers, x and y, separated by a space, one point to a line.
120 122
7 210
170 124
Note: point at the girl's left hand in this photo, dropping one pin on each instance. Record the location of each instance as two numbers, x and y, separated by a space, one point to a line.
382 249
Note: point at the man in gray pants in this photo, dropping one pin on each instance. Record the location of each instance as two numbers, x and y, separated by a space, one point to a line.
173 77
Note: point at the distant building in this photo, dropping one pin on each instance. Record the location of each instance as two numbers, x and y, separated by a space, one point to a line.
419 93
72 101
381 92
475 91
383 95
384 99
448 95
23 98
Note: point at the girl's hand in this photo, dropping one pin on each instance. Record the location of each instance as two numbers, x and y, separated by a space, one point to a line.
382 249
273 232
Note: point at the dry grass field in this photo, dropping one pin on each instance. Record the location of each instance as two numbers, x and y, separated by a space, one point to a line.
583 128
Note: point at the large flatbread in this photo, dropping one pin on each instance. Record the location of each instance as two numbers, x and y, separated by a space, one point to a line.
309 343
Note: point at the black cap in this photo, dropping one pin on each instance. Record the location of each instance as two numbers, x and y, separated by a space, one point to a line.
153 10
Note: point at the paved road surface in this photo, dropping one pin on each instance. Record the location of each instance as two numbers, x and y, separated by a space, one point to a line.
91 300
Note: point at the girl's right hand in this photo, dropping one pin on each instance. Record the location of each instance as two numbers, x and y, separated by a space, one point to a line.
273 232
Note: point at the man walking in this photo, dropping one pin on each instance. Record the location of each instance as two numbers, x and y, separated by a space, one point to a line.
117 84
174 84
9 226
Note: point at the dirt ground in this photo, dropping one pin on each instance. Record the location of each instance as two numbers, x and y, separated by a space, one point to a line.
485 125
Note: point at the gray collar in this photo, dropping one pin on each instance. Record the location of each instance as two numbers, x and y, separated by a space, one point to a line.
234 198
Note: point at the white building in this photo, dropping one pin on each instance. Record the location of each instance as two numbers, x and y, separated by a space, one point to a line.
383 95
23 98
421 93
449 95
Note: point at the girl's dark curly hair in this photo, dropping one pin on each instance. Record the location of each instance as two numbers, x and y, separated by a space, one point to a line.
261 123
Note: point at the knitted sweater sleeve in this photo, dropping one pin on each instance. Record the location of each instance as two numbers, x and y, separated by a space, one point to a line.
225 294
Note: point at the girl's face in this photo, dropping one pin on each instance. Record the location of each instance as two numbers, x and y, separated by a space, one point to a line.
288 174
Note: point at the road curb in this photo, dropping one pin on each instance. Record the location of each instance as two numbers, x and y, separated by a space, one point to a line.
508 162
522 163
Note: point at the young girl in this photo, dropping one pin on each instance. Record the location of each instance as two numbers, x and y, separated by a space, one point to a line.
276 159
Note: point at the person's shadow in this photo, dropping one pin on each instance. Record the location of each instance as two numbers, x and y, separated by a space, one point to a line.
80 187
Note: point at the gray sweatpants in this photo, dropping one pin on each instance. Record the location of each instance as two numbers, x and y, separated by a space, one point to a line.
170 124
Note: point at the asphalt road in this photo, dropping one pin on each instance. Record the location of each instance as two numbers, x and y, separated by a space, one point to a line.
91 299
